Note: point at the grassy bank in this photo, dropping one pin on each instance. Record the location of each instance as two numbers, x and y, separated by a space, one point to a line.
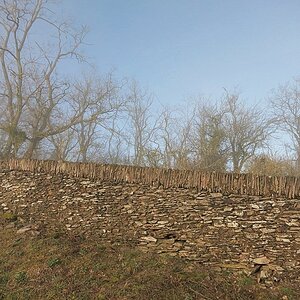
59 266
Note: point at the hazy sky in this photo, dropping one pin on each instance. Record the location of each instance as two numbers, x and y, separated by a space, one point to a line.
181 48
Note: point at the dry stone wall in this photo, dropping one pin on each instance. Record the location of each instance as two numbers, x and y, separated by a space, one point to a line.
242 184
211 228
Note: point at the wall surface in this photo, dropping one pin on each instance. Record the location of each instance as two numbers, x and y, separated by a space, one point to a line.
214 229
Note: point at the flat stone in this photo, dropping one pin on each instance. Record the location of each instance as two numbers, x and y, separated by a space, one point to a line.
255 206
276 268
162 222
200 242
265 230
216 195
261 261
149 239
227 209
233 224
24 229
284 240
138 223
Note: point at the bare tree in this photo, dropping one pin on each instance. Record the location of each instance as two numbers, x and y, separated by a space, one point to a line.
247 130
62 145
167 138
174 135
285 103
213 136
103 97
208 139
141 123
31 90
99 100
117 140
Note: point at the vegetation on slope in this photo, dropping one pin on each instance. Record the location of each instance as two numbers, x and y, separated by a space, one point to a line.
60 266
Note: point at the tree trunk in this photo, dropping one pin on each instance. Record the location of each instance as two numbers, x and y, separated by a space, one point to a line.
33 144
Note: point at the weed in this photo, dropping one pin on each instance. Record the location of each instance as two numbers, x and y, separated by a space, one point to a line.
8 217
3 279
288 291
57 234
52 262
17 242
246 281
82 252
21 277
99 297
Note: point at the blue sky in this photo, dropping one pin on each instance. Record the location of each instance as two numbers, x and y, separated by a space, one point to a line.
183 48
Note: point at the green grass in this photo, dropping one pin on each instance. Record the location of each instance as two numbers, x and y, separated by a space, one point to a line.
52 262
8 217
60 266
